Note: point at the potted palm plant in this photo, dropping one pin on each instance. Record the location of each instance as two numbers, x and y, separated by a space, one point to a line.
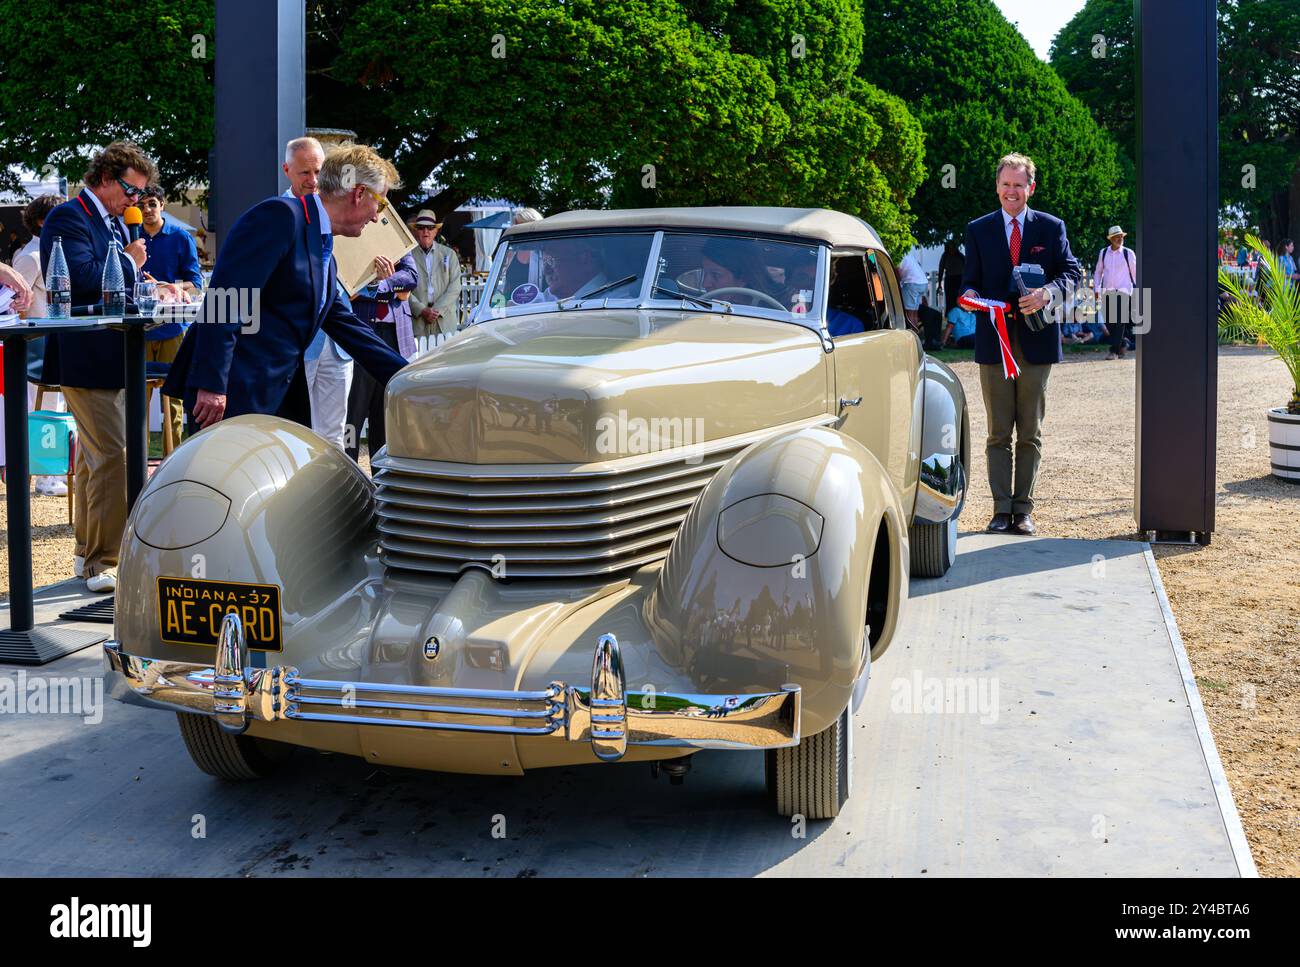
1272 316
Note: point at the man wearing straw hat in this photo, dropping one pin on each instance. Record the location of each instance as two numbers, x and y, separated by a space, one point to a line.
434 301
1113 281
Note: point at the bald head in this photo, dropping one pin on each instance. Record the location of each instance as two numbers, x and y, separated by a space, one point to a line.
303 158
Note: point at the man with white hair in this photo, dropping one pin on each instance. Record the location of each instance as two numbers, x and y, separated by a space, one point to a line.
245 354
327 368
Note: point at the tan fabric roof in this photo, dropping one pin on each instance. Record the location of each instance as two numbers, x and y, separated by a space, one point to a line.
816 223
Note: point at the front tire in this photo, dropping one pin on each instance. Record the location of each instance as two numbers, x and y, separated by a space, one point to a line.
812 779
231 757
933 548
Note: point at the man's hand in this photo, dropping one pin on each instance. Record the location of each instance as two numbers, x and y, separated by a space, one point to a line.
137 252
209 408
22 291
430 315
1035 300
383 267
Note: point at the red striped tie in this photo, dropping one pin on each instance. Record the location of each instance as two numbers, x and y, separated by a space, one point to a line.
1015 241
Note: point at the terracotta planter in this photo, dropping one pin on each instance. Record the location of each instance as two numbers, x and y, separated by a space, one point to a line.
1284 444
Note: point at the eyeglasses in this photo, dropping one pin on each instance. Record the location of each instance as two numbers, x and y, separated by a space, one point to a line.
380 200
131 190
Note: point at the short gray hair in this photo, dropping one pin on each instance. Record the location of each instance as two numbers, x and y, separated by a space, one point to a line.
350 165
300 144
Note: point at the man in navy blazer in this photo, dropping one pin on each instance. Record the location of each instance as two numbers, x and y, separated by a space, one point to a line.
273 287
90 366
1016 235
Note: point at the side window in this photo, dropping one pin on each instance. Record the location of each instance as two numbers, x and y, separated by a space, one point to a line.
850 308
885 289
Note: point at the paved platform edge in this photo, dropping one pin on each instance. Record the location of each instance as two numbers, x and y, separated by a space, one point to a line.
1227 805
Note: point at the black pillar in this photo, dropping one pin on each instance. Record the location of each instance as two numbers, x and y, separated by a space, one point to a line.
1177 219
261 58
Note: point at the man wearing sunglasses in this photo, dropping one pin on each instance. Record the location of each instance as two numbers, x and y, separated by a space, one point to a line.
89 366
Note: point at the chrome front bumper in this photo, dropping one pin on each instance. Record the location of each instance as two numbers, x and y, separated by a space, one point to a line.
607 715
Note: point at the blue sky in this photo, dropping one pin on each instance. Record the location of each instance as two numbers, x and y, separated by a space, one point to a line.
1039 20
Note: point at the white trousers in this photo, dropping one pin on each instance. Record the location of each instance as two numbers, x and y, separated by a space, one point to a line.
328 380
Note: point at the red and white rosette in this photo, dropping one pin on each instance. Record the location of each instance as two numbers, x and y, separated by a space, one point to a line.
997 315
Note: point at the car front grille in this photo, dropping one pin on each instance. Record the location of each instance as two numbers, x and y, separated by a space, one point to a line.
545 520
537 521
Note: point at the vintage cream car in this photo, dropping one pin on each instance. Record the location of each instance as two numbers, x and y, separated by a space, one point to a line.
661 494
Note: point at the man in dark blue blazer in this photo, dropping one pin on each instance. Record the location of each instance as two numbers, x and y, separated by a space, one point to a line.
1017 235
274 285
90 366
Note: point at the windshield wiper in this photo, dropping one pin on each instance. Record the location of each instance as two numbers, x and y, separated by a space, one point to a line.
687 297
575 300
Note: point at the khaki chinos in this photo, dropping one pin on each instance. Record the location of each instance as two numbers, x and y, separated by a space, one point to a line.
99 508
1014 405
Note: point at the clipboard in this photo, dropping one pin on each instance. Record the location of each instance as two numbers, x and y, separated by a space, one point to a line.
388 236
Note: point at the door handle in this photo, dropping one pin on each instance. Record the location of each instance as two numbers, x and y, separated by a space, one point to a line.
845 402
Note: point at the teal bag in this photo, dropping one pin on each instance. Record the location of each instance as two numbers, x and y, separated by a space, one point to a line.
50 436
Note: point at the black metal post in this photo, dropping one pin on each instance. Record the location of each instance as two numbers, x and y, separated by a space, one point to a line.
1177 229
137 428
18 499
260 101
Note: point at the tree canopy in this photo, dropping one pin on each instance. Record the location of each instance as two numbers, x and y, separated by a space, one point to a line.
980 92
1259 97
556 103
620 102
76 75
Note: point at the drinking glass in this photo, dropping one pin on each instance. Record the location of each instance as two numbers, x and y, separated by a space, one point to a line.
146 297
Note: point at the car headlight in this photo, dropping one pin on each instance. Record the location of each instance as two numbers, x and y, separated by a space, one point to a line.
180 514
770 530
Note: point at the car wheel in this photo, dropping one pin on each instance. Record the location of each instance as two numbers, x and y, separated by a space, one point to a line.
934 548
226 756
812 778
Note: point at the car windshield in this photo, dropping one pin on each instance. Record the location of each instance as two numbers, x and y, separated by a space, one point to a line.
695 271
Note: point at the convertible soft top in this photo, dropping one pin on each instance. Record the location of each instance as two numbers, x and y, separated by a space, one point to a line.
835 228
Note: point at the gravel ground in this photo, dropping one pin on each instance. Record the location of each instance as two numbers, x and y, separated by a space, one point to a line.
1237 601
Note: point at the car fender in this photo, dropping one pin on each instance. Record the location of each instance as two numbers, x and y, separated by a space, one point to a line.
777 617
256 500
945 445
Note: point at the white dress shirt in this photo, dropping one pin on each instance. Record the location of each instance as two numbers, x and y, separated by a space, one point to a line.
108 221
1053 293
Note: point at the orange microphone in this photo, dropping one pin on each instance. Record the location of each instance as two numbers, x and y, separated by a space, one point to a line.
134 219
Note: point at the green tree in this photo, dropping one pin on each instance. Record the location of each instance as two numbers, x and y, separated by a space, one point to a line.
980 92
76 75
620 102
1259 98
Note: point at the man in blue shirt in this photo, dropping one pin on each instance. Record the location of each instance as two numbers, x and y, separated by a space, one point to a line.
172 256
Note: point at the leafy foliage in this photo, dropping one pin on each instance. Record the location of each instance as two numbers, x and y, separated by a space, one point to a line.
590 103
980 92
1259 97
1276 321
76 74
554 103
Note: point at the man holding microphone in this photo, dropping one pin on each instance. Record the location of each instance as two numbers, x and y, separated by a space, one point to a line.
90 366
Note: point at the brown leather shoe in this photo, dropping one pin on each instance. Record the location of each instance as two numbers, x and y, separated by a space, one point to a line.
1000 524
1023 524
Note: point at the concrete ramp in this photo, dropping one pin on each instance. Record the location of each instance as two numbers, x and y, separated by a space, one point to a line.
1036 716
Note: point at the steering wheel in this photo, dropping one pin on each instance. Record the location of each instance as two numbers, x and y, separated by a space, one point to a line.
743 291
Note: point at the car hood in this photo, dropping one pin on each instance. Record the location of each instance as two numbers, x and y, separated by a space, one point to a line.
591 386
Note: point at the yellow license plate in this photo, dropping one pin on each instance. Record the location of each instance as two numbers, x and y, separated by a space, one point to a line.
190 611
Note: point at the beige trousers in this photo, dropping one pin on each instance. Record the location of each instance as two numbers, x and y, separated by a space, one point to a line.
1014 404
173 410
99 513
